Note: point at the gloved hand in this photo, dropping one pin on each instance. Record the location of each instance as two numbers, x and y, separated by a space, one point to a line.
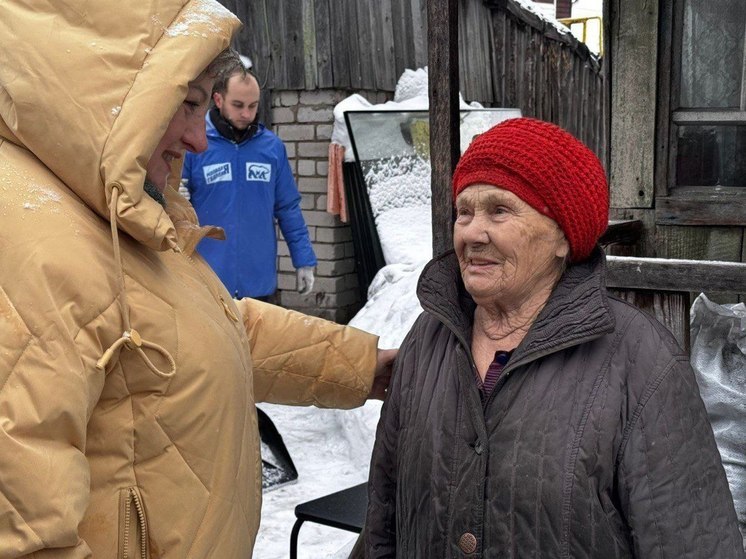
305 279
183 190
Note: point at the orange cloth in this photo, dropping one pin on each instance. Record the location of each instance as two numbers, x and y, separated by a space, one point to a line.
335 188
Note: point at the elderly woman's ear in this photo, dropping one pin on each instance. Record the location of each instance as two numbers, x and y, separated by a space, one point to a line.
563 250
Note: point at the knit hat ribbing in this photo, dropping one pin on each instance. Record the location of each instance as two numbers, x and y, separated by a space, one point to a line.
547 168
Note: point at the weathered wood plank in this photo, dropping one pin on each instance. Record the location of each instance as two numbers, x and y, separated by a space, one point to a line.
401 25
510 64
498 65
474 43
699 243
382 45
308 42
530 74
710 117
566 87
663 274
634 47
420 33
252 39
606 79
275 21
585 127
664 100
352 43
322 25
547 90
711 210
442 16
293 37
340 56
365 37
519 47
390 74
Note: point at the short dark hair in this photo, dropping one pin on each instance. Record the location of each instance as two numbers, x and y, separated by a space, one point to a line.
234 68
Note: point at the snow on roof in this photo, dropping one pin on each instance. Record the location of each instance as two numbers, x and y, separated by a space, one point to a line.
530 6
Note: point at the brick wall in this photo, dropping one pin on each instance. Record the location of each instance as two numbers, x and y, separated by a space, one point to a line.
303 120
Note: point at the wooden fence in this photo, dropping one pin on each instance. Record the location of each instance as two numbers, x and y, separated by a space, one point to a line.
508 56
345 44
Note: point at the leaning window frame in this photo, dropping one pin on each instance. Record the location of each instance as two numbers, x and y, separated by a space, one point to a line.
688 205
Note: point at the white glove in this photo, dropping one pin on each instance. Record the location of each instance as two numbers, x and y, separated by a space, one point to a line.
183 190
305 279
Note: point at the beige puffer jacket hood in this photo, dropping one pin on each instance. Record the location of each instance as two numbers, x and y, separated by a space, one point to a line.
127 386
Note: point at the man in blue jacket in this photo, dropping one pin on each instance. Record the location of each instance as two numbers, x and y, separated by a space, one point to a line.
243 183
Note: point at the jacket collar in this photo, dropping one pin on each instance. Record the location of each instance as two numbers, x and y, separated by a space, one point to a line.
227 130
577 311
217 127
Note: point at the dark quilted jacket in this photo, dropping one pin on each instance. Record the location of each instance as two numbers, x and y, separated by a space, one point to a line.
594 443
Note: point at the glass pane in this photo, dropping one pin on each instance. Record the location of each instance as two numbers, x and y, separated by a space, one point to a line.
711 156
393 149
386 134
712 53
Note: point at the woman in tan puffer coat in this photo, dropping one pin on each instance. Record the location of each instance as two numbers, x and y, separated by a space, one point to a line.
127 386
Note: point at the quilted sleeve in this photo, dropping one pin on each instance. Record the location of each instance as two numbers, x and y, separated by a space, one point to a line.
303 360
672 485
45 400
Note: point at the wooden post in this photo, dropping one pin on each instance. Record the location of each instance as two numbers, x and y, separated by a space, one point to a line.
442 40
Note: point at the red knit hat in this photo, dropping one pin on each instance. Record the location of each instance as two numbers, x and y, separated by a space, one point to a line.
547 168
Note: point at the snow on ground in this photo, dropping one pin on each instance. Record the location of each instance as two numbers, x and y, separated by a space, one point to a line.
331 450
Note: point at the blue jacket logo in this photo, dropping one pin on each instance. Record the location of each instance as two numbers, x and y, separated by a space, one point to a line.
217 173
258 172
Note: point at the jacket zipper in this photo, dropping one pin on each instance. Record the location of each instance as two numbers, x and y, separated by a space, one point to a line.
132 497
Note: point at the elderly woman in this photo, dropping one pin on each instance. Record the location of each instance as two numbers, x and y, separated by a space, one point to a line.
531 414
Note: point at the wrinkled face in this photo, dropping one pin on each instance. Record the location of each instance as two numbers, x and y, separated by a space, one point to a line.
185 132
240 102
507 251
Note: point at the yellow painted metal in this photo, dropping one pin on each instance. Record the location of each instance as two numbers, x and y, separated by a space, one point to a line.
583 23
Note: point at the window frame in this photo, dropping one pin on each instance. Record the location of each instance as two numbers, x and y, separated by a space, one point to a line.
689 205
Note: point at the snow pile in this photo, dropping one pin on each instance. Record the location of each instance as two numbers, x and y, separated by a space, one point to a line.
392 305
411 84
405 235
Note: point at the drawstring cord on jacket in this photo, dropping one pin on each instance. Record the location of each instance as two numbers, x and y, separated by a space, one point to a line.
130 338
